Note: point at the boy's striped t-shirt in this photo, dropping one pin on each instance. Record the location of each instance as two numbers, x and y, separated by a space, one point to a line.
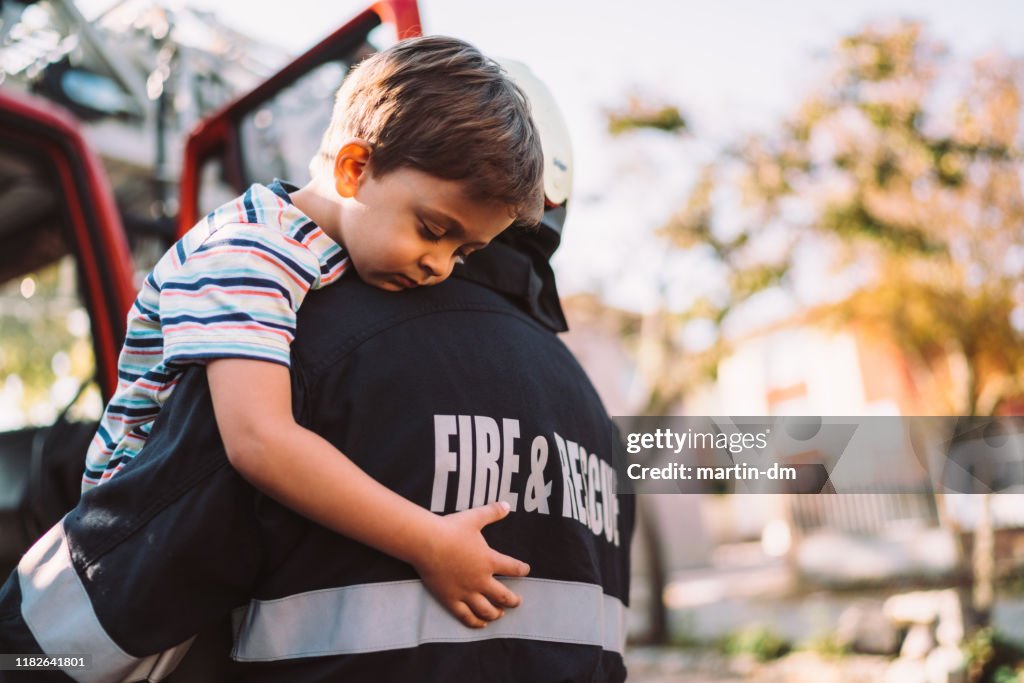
229 288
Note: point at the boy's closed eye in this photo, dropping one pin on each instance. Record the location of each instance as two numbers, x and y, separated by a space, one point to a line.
436 234
431 233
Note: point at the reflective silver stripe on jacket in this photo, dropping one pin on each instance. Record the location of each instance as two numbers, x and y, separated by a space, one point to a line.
57 609
400 614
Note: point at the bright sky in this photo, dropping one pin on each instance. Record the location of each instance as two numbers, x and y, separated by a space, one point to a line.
730 65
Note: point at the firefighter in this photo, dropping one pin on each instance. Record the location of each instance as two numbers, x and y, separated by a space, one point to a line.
454 396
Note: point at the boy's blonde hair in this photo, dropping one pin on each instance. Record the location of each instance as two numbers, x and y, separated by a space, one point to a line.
438 105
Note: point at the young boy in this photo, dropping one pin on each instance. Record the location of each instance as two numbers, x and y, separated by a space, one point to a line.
430 154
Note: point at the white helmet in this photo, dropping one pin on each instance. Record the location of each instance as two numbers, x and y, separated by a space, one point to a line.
554 136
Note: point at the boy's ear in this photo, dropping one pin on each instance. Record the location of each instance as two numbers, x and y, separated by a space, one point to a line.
349 166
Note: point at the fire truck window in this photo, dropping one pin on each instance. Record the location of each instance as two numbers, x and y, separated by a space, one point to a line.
46 350
280 137
214 188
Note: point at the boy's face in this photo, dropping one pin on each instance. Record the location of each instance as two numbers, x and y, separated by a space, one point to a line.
407 228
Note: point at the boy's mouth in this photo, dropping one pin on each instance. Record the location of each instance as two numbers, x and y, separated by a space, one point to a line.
406 282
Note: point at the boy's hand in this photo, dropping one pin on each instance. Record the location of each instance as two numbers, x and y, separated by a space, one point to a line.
458 566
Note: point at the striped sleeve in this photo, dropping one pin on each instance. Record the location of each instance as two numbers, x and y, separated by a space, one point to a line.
236 296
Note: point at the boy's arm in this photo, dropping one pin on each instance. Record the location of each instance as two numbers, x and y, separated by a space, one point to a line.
252 403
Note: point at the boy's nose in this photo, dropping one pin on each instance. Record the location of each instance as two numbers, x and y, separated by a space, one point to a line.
435 266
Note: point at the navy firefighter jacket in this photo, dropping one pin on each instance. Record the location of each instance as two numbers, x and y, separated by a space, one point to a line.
453 397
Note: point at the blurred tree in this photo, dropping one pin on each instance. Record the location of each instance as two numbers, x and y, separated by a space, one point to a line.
904 171
640 113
